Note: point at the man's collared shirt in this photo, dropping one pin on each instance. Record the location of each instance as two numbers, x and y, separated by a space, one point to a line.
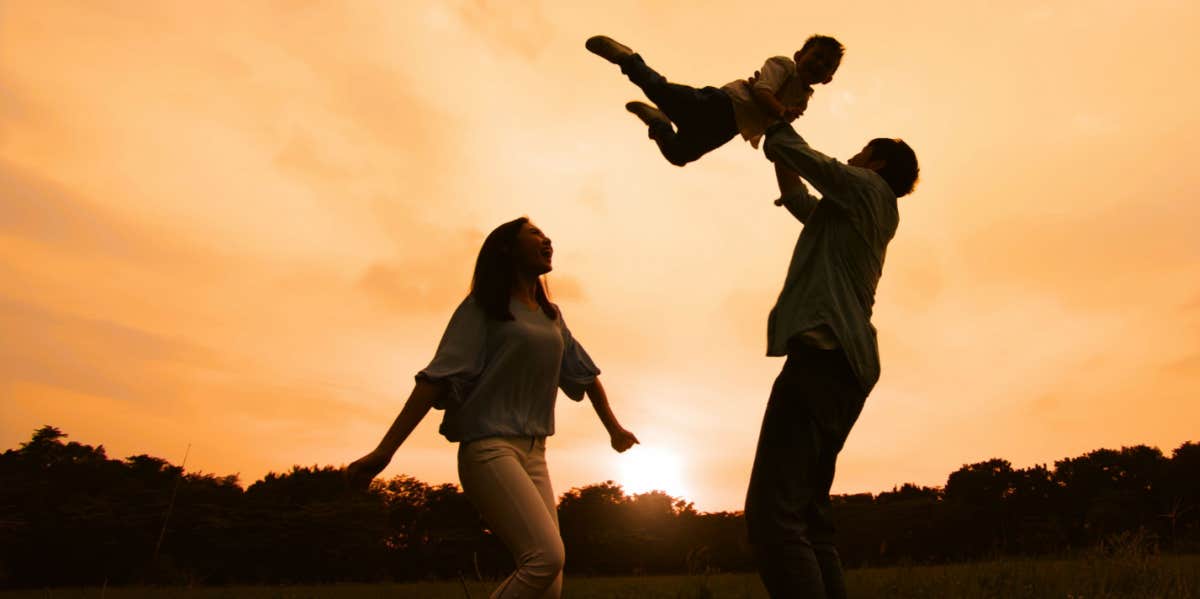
838 258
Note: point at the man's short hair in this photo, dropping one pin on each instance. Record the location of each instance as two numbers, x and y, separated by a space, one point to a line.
900 169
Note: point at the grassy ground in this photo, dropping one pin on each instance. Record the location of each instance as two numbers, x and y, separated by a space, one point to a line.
1150 576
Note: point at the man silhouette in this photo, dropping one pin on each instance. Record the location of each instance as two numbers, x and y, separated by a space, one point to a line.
822 323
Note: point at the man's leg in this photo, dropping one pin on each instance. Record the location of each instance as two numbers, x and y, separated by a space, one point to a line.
781 489
814 402
820 531
842 402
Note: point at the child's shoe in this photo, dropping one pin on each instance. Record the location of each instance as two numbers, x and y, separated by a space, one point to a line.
653 117
608 48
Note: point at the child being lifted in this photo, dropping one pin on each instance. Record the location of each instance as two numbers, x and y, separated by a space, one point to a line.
709 117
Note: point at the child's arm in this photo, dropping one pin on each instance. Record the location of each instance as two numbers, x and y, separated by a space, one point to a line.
770 104
795 110
766 84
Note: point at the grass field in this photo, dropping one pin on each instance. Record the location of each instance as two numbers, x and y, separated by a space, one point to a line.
1150 576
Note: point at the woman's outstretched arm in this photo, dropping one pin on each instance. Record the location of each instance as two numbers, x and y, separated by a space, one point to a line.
363 470
620 438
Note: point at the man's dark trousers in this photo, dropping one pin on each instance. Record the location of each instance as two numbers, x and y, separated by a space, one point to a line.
815 401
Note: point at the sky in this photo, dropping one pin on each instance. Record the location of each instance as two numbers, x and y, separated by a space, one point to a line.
236 230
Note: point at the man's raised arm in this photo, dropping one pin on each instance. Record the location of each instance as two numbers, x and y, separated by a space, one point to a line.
793 194
785 147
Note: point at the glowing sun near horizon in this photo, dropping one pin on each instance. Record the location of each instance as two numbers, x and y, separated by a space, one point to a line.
645 469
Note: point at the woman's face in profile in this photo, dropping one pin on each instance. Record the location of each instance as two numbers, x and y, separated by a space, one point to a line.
533 251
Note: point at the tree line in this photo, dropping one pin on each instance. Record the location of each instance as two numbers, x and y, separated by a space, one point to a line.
69 515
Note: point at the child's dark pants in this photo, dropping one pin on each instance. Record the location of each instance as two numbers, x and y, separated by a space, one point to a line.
704 116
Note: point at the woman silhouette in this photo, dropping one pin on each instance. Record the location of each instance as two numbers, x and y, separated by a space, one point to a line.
496 373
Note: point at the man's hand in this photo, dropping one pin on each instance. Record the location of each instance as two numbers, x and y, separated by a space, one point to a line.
622 439
362 471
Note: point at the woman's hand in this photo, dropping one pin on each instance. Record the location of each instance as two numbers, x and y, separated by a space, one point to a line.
619 438
362 471
622 439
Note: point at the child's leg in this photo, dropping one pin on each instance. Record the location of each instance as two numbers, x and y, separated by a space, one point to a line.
704 116
689 144
693 140
679 102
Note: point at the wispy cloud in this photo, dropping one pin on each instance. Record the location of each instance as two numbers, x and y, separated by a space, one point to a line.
520 27
94 357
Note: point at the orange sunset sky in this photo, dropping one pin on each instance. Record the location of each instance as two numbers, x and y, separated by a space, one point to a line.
243 226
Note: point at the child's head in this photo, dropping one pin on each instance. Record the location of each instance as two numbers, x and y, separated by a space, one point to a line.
818 60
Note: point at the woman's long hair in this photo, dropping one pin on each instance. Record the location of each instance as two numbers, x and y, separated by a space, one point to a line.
496 274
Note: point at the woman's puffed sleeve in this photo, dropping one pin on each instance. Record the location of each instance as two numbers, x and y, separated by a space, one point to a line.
460 355
577 371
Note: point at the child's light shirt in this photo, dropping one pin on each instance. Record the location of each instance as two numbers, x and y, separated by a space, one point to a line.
778 76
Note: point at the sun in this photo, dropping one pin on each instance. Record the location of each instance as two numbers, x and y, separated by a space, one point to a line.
646 469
